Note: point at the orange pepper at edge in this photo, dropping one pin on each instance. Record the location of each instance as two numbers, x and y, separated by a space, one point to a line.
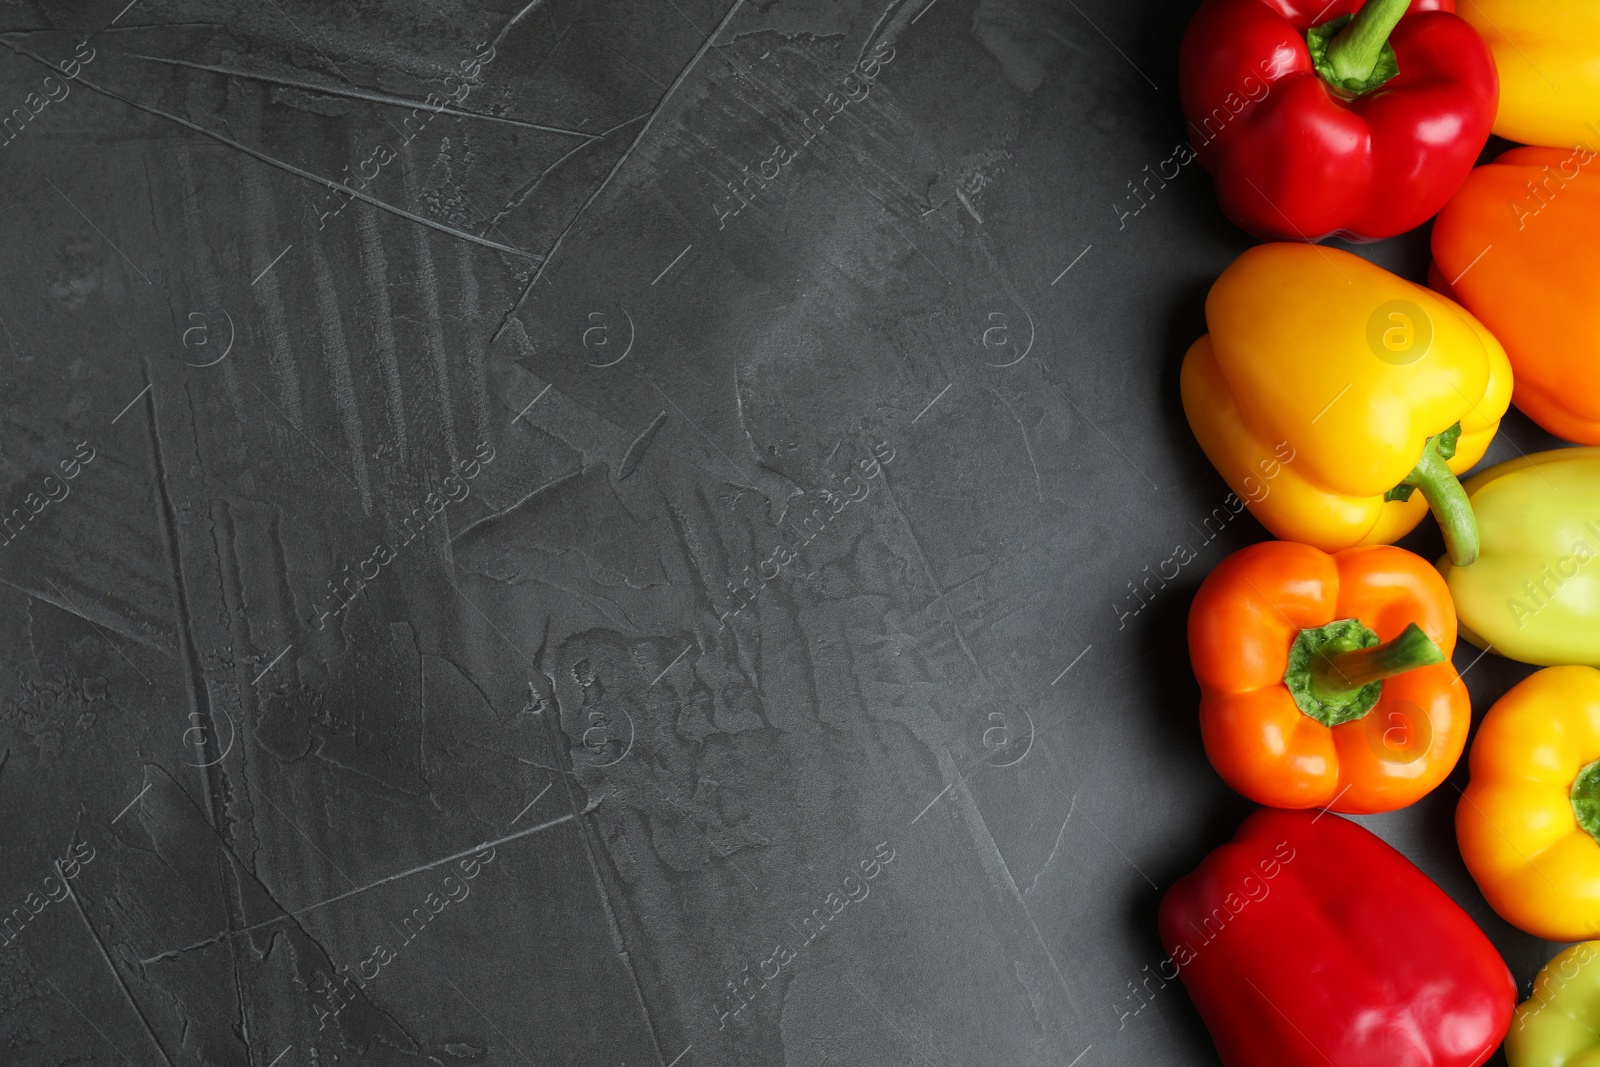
1516 247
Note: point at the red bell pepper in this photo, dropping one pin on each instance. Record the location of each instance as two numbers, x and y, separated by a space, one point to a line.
1317 124
1308 942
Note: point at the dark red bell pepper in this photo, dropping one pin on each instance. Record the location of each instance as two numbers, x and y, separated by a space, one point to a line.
1308 942
1317 124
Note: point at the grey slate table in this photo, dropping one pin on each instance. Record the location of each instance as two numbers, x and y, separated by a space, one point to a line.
606 532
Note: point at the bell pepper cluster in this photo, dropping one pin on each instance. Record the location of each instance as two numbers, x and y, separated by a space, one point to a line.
1324 657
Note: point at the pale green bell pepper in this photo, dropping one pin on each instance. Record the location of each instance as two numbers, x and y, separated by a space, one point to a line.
1534 593
1559 1026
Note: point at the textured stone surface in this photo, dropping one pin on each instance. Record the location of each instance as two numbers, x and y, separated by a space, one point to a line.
639 575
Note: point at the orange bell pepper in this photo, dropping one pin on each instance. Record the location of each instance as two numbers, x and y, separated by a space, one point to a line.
1325 680
1516 247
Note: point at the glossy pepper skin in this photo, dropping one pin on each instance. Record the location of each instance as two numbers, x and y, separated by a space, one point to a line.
1559 1026
1529 820
1308 942
1548 55
1534 594
1297 158
1518 243
1297 709
1357 373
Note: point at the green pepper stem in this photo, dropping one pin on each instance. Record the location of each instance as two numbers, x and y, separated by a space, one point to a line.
1585 798
1448 500
1353 54
1343 674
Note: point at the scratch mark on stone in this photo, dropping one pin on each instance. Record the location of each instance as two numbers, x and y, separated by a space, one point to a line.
281 164
539 66
518 198
90 1021
1098 430
635 454
306 837
1038 486
531 803
966 203
932 802
1060 836
139 28
385 880
878 25
888 217
657 82
428 287
530 8
933 582
992 859
486 1019
122 985
274 263
707 440
616 168
671 665
261 217
367 95
916 1047
613 927
477 366
119 251
337 355
62 594
674 263
66 605
1073 664
376 263
135 400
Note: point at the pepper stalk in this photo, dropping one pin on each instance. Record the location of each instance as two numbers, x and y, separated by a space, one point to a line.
1353 53
1336 672
1446 496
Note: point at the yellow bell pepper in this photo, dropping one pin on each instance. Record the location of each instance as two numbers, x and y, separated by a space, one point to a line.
1529 820
1548 55
1373 385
